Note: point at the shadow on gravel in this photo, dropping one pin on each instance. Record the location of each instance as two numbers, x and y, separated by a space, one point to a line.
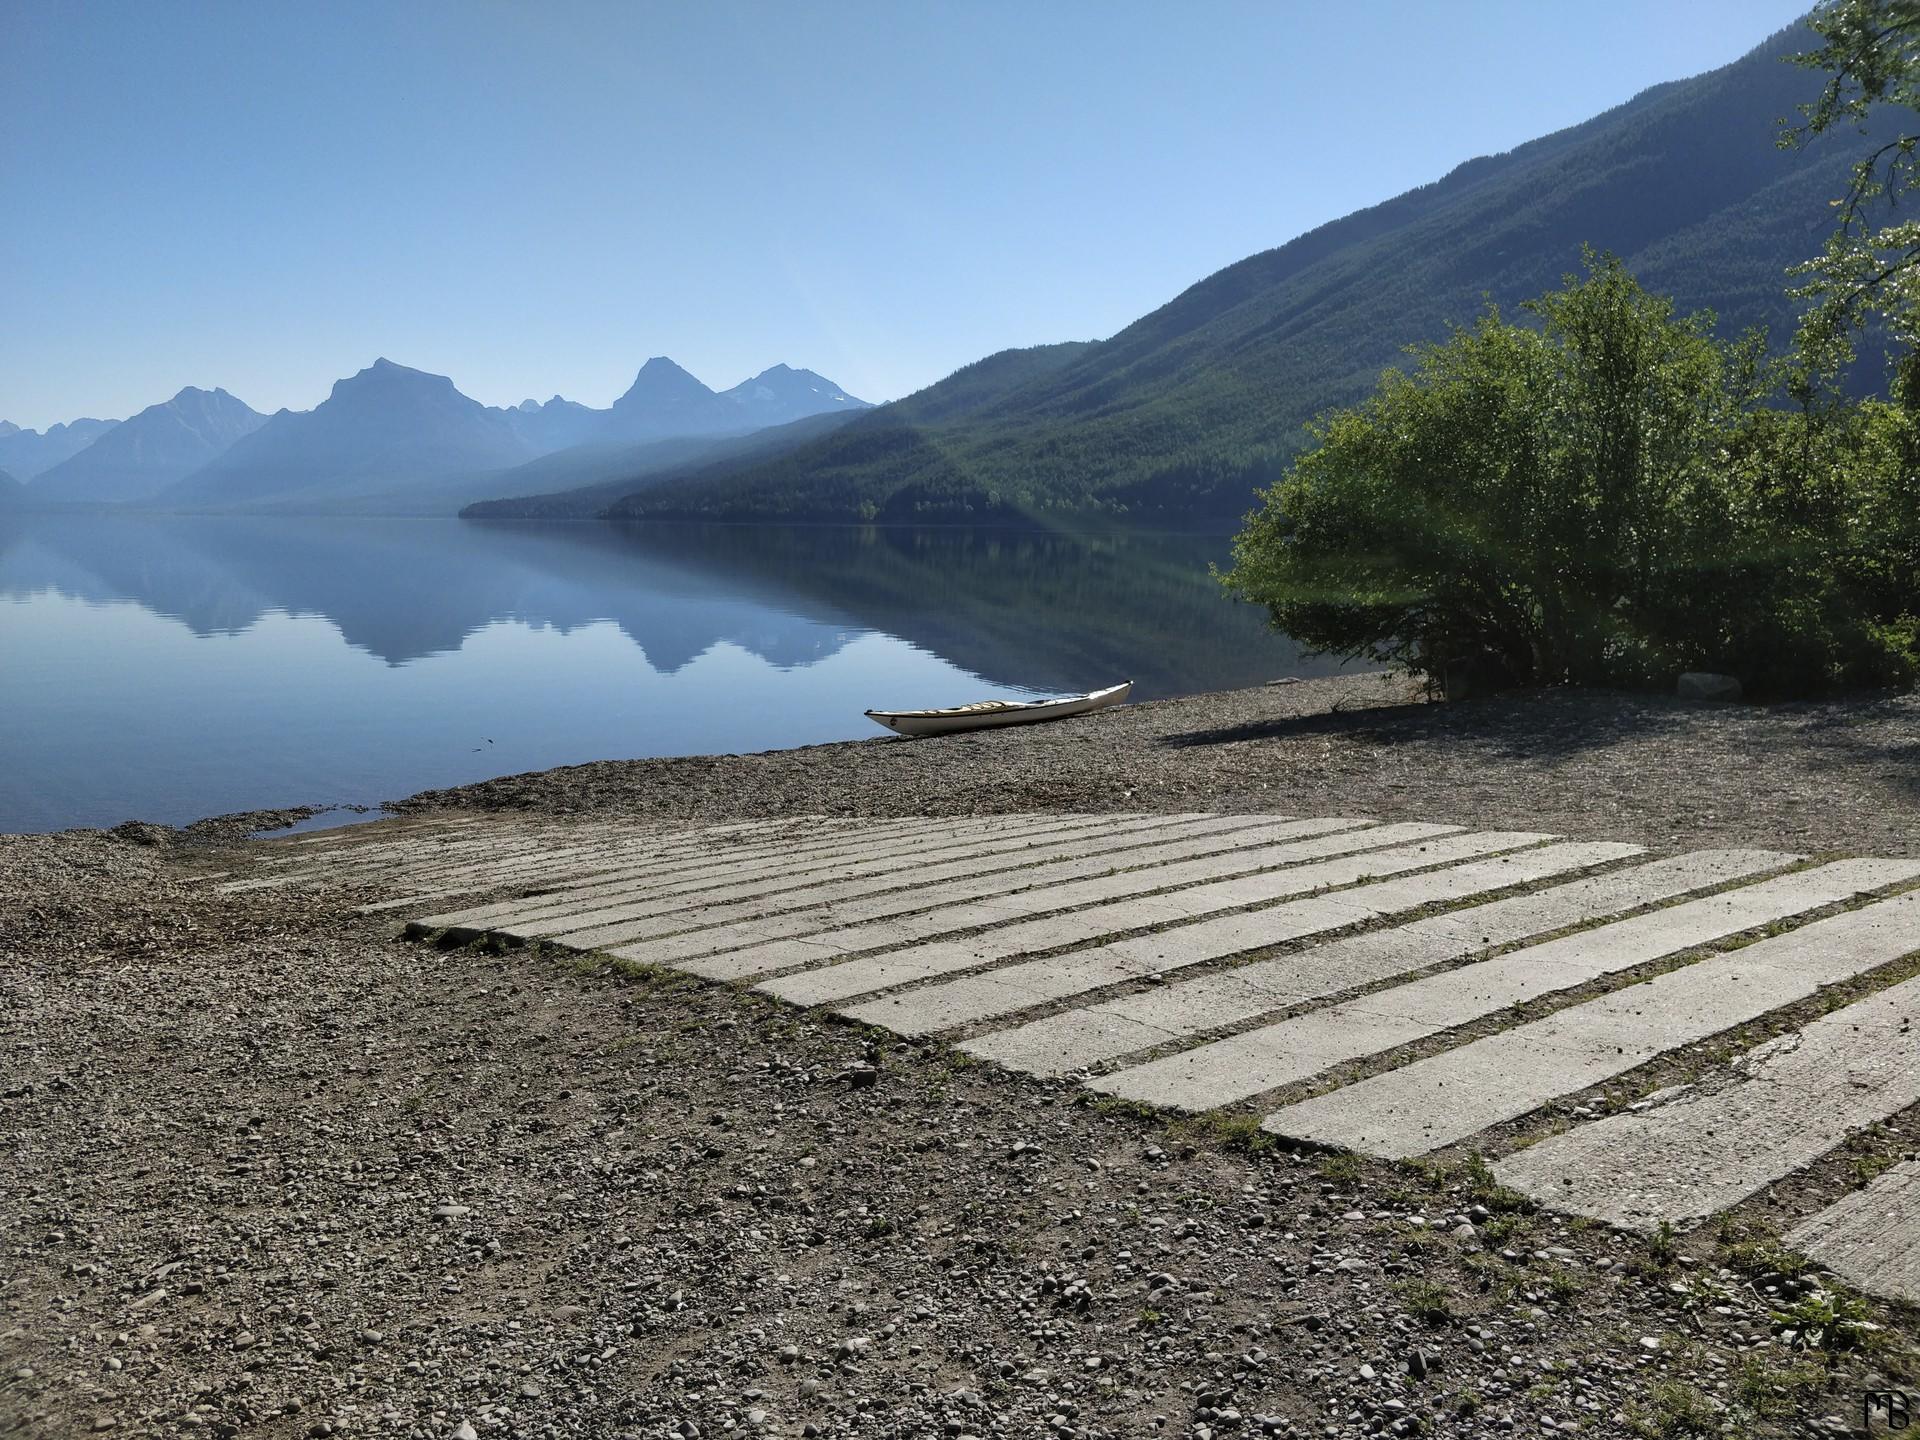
1538 726
1881 733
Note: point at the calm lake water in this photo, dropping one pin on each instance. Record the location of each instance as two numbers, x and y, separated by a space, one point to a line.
170 668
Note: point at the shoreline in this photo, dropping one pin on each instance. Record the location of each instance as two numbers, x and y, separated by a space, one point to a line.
1836 774
1827 775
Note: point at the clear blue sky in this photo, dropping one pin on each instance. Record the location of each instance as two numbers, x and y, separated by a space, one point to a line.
536 197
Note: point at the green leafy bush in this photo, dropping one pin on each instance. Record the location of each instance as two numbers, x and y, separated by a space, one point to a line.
1604 496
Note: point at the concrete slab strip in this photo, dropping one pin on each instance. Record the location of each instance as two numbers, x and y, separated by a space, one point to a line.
1449 1097
632 884
759 929
966 906
675 874
558 843
578 864
514 844
1105 883
376 858
973 998
867 974
1871 1238
1077 1039
628 914
1298 1049
1787 1103
1005 873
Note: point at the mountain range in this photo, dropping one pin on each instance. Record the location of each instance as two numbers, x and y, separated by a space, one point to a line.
391 439
1182 416
26 453
141 456
1186 412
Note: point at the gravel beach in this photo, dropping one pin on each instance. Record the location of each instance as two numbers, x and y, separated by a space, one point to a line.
1840 774
273 1169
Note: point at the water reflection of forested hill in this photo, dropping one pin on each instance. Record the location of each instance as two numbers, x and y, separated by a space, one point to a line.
1048 611
1043 611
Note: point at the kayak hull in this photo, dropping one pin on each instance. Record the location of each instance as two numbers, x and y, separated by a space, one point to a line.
990 714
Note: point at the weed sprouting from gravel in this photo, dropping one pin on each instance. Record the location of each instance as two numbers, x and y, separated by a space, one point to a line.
1341 1169
1564 1284
1752 1248
1427 1301
1473 1180
1865 1169
1674 1409
1828 1320
1232 1132
1115 1106
1771 1390
1502 1230
1663 1246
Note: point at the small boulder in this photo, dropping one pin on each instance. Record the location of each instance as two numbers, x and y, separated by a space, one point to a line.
1705 685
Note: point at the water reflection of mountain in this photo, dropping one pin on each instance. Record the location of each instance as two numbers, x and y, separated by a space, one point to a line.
404 589
1021 608
1043 611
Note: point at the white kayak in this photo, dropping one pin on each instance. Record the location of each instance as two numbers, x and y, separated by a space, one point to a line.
985 713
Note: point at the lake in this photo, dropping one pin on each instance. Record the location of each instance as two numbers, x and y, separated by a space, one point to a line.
167 669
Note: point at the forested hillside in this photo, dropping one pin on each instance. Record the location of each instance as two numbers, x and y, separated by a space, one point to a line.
1183 414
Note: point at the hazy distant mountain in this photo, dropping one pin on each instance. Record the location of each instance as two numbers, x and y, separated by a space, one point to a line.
582 482
382 433
557 425
141 456
11 491
781 394
664 400
391 440
26 453
1185 412
891 438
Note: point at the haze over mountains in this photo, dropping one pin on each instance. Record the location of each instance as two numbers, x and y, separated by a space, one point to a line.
140 457
26 453
395 439
1180 417
1185 413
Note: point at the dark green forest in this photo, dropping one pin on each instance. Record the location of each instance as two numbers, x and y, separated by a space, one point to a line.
1188 412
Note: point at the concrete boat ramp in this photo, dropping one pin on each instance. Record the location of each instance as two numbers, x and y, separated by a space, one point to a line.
1643 1038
